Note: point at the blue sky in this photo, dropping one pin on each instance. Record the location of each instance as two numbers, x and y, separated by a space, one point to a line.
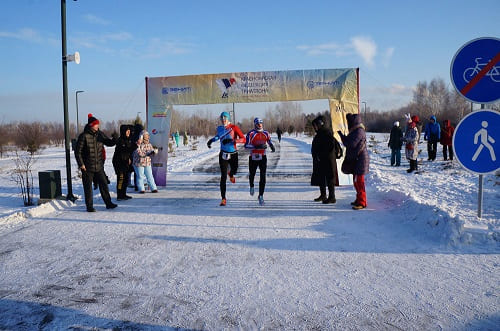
395 44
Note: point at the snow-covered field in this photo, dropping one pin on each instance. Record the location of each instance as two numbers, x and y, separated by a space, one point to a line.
417 258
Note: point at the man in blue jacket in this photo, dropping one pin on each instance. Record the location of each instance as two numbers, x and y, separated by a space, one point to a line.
432 135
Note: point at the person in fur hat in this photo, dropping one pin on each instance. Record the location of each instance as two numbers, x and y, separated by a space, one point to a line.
411 142
324 151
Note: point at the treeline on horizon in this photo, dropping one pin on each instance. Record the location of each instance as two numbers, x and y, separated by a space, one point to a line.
433 98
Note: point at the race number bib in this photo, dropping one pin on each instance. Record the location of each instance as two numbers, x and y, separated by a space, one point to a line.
226 156
256 157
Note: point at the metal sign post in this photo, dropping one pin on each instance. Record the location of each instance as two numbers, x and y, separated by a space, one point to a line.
475 74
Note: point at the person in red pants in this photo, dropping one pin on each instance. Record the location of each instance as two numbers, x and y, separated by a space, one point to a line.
356 161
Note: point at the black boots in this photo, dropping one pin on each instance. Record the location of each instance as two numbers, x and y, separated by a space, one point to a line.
413 166
322 196
331 194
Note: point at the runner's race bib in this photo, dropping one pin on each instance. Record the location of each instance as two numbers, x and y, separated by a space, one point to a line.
226 156
256 157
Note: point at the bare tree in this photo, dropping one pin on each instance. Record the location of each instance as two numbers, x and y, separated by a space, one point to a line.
23 175
30 136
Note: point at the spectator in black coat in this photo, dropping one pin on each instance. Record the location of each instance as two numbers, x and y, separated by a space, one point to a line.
395 144
122 159
324 151
88 154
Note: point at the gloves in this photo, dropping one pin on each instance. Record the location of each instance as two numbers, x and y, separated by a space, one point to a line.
272 148
226 141
209 143
153 152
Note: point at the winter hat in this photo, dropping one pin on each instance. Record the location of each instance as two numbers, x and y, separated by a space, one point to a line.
396 123
258 121
415 119
319 121
226 115
92 120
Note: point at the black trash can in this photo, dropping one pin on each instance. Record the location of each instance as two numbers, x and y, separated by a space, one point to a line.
50 184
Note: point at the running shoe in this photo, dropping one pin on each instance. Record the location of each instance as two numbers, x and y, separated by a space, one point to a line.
252 191
261 200
223 202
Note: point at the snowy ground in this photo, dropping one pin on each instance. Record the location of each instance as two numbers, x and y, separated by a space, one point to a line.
417 258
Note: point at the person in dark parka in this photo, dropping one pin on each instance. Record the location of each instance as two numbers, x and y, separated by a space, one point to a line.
122 159
395 144
356 161
88 154
433 135
324 151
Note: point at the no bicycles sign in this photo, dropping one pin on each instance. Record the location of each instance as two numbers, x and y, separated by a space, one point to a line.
475 70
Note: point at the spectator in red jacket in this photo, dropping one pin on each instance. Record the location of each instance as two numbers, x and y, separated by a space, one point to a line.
447 139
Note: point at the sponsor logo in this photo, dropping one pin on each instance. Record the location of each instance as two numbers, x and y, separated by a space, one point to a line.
312 84
155 131
224 85
175 89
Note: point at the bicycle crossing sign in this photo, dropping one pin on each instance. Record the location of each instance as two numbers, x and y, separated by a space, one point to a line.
475 70
476 141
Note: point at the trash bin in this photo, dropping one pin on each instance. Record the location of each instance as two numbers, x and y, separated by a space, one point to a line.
49 182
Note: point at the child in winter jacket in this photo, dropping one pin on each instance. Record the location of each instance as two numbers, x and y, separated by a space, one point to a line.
411 139
447 139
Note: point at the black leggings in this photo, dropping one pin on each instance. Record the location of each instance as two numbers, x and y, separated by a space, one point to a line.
232 163
262 164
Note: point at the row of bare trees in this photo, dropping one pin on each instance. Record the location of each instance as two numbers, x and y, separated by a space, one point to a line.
433 98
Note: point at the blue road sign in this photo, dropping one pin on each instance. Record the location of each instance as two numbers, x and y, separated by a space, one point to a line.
475 70
476 141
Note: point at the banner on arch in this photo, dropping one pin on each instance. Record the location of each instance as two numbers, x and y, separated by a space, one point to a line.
339 86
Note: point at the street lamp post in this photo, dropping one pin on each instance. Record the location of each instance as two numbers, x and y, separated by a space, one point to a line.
365 109
77 122
65 59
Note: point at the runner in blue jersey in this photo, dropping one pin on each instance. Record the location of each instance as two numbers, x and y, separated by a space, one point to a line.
229 135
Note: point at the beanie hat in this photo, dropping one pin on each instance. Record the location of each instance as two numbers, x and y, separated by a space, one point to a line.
415 119
257 120
226 115
396 123
92 120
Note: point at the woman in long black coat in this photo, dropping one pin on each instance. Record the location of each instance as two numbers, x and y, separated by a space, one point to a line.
324 151
122 158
